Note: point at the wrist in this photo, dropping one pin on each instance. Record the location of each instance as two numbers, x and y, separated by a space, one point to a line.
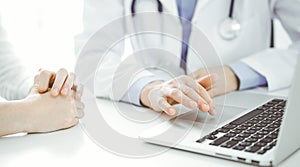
15 117
232 79
145 92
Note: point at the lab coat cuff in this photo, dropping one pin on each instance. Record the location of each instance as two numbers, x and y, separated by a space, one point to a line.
248 77
133 94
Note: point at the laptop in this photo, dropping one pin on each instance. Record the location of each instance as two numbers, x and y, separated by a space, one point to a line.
249 128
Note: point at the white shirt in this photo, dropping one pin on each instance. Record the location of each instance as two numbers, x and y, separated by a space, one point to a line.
15 82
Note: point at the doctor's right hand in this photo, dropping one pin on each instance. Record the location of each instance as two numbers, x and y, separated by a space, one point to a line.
160 96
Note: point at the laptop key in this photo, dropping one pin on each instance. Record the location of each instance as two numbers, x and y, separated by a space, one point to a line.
246 117
253 149
211 137
244 135
257 136
268 147
263 132
245 144
238 138
255 128
223 130
236 131
214 133
266 140
250 131
230 135
219 141
238 147
261 151
241 128
229 126
272 136
229 144
269 129
260 144
251 140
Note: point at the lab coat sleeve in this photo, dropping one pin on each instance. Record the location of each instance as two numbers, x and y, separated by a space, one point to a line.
248 78
277 65
15 81
97 14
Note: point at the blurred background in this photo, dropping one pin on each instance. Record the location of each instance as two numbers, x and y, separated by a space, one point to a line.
42 31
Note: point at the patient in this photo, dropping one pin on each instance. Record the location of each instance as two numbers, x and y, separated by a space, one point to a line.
44 103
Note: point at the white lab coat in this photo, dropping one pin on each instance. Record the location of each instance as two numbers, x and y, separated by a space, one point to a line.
251 46
15 81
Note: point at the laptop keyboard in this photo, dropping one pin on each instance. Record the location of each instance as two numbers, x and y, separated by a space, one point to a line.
254 132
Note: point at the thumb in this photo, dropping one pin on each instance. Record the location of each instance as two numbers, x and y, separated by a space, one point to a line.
208 81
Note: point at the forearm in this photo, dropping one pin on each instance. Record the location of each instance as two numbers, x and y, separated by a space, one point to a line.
12 117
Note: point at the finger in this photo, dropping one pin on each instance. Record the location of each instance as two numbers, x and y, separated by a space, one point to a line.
165 106
60 78
44 79
202 103
180 97
191 93
79 92
201 91
80 113
208 81
79 105
68 84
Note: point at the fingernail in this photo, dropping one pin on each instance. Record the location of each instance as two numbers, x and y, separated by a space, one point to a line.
212 111
193 104
205 107
64 91
55 91
172 111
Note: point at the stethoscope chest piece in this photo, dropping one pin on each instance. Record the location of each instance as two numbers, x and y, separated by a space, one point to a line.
229 28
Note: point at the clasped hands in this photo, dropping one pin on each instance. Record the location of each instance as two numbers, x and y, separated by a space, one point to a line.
53 103
194 91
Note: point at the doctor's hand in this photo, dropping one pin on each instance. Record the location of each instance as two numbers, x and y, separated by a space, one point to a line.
160 96
59 83
223 80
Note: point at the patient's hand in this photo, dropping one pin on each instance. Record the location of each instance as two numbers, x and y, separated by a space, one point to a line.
54 102
45 109
59 83
45 113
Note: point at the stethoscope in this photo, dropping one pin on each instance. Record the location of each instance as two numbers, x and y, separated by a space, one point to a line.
159 7
228 29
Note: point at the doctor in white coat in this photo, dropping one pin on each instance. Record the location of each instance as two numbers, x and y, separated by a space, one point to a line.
240 31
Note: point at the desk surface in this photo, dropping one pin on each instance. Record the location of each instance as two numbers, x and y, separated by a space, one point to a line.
73 147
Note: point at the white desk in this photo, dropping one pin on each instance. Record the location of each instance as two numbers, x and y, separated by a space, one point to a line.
73 147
